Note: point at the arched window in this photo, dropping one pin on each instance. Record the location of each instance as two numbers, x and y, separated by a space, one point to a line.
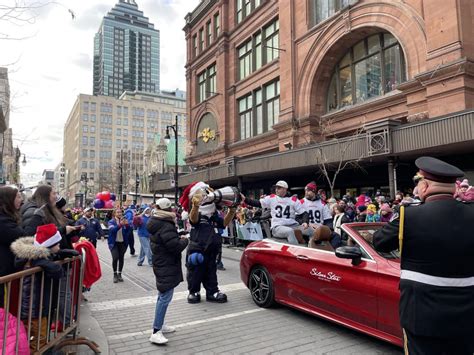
371 68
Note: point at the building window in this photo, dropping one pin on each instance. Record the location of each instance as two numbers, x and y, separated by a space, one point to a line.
272 103
91 176
201 40
92 164
85 129
207 83
195 46
92 129
209 33
259 110
245 8
92 117
320 10
245 116
251 56
92 141
84 140
371 68
85 117
92 154
84 164
217 25
93 106
84 153
271 41
245 59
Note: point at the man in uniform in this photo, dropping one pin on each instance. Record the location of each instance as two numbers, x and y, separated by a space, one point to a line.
284 210
437 267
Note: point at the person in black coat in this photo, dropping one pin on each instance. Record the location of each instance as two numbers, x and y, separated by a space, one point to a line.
166 248
10 201
437 269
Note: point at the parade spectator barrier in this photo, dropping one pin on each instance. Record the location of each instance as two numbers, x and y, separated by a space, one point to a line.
48 316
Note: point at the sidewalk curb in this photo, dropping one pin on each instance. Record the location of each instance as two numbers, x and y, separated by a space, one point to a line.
90 328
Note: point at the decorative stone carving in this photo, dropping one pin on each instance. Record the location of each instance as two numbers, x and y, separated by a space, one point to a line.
420 116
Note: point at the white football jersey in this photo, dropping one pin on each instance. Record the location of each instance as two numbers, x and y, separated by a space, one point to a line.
317 211
283 209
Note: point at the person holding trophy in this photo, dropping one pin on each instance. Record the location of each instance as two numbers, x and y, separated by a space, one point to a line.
200 201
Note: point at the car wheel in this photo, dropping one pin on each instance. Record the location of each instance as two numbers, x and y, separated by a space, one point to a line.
261 287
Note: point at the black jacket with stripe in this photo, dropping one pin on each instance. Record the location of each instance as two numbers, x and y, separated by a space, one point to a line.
437 263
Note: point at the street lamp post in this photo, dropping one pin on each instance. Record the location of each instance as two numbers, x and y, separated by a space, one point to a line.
84 179
167 140
137 182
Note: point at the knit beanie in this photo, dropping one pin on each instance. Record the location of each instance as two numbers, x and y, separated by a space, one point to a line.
60 201
465 183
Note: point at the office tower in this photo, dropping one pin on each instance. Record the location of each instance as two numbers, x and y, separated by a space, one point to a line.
126 52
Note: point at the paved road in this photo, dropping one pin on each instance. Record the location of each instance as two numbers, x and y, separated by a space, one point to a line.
125 313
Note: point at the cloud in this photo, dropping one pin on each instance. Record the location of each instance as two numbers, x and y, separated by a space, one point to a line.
83 61
50 77
91 18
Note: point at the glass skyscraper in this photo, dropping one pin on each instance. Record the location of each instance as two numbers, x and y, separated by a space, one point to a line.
126 52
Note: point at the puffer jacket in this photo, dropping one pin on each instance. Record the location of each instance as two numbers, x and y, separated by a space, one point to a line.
23 346
166 248
28 255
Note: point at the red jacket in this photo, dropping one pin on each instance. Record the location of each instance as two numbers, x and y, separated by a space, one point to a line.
92 271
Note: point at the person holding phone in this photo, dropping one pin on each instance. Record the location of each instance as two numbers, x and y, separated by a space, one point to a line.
120 232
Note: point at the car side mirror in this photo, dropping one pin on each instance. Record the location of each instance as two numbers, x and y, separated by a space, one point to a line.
353 253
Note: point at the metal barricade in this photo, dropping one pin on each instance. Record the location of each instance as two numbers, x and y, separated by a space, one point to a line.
51 316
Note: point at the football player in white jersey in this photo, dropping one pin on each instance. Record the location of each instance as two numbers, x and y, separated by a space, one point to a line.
284 210
318 212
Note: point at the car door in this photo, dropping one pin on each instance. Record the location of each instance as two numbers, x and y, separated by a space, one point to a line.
337 288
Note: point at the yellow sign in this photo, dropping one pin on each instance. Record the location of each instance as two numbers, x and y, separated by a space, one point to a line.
207 134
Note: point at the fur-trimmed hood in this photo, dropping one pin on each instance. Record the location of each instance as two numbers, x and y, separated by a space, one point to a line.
24 248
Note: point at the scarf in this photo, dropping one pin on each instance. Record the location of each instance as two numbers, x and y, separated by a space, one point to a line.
166 215
207 210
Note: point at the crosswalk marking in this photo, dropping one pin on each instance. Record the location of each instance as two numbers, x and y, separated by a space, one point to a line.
148 300
187 324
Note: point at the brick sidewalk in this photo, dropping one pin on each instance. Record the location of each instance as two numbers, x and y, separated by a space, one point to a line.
125 313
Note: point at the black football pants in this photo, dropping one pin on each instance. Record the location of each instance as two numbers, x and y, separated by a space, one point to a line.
205 273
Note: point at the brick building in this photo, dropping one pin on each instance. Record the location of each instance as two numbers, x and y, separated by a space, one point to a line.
277 89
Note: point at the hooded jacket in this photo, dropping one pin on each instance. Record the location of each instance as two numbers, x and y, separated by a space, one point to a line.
28 255
166 247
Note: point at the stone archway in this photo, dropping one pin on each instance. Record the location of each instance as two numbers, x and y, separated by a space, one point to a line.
346 30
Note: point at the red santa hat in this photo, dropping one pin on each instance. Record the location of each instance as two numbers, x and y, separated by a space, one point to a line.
189 192
47 236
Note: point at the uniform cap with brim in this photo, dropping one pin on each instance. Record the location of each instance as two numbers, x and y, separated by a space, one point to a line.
437 170
282 183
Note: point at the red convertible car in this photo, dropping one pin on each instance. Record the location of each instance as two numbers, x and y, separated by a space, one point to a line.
353 285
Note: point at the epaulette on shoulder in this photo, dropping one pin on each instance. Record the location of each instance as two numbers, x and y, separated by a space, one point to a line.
294 198
302 200
272 195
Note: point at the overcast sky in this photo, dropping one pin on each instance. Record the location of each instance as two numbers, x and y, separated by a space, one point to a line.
50 63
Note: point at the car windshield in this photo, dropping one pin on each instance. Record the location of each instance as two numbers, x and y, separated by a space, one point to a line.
367 232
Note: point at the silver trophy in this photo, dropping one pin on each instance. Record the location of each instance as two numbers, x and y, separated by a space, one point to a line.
227 196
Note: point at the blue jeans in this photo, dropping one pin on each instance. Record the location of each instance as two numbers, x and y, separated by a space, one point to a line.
162 303
145 250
